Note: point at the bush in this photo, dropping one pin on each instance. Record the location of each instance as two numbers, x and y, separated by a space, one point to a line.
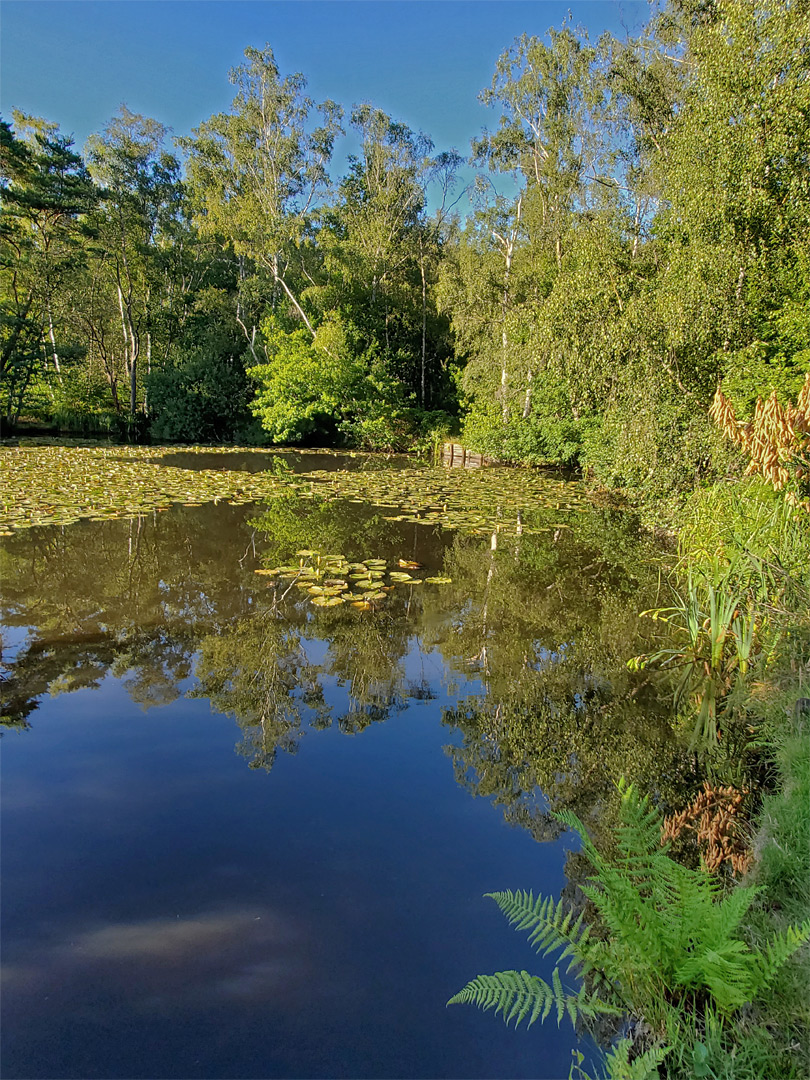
204 399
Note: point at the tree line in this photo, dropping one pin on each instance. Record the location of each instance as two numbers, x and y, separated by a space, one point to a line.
638 235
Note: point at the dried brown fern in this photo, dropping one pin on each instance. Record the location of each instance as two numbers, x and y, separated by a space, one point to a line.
715 816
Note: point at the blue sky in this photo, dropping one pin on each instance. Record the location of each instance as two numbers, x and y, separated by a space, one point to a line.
423 62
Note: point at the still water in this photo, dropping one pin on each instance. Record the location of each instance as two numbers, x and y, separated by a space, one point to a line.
244 836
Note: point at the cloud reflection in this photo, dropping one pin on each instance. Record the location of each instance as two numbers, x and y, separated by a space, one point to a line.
240 953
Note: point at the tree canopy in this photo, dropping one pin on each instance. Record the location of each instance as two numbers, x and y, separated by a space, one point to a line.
637 236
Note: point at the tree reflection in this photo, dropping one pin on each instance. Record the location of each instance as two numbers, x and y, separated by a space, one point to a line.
531 639
257 672
546 624
129 598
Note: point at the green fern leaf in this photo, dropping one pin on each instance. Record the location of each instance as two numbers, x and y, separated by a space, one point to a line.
559 994
777 952
514 993
644 1067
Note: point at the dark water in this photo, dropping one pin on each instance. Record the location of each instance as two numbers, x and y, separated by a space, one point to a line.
247 837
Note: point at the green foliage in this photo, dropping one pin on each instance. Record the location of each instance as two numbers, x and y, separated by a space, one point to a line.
668 951
748 518
718 636
520 996
784 842
305 383
620 1066
203 400
322 388
435 428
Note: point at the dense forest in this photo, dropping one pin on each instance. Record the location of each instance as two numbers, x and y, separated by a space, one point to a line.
637 237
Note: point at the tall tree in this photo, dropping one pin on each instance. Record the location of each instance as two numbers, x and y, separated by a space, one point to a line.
381 248
46 195
140 182
257 173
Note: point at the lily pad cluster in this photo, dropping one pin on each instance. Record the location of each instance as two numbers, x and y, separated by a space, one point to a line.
332 580
58 484
479 500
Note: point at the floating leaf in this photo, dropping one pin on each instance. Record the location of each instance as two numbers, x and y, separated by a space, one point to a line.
47 483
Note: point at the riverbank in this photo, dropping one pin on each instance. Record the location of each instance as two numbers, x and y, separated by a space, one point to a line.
741 544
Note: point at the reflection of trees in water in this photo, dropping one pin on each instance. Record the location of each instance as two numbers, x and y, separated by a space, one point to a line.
125 597
258 672
547 624
543 625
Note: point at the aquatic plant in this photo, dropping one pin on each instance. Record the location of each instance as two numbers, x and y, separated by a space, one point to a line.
331 580
716 633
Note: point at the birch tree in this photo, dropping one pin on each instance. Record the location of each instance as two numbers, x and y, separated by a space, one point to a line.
140 185
257 172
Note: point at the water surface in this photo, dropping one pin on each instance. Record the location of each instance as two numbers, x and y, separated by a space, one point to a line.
248 837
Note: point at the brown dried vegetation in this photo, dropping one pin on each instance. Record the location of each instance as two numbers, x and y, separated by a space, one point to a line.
777 439
716 817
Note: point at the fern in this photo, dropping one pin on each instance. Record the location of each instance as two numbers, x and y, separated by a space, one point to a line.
777 952
552 927
644 1067
519 995
673 946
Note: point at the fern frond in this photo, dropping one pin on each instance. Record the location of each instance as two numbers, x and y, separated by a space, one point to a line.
777 952
514 993
519 995
725 971
732 909
644 1067
642 860
559 994
551 924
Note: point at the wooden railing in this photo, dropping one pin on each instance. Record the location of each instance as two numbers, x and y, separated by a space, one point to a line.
457 456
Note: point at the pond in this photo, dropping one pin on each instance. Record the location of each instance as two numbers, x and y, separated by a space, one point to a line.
248 835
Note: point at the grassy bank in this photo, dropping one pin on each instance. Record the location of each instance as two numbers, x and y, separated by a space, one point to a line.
748 526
